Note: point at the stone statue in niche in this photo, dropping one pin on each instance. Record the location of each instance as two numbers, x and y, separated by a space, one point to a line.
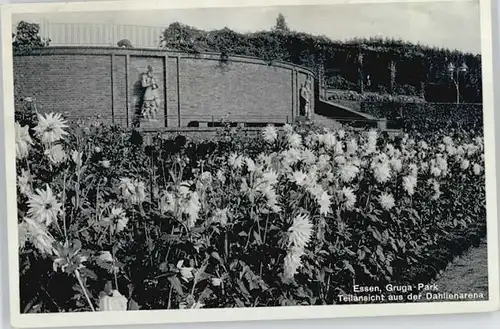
305 98
150 98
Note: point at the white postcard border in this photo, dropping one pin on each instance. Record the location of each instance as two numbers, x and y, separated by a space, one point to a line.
235 314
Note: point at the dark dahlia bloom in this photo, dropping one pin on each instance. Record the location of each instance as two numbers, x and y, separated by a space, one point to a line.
180 141
149 150
203 149
136 138
169 147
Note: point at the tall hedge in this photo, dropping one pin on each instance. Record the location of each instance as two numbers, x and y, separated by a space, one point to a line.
415 64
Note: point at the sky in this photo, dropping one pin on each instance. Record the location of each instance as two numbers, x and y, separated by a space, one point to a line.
449 24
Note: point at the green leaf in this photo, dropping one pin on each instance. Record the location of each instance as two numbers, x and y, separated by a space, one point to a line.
242 287
373 218
393 245
88 273
350 252
273 227
349 267
202 276
257 237
239 303
366 270
176 284
217 257
380 253
301 293
376 234
132 305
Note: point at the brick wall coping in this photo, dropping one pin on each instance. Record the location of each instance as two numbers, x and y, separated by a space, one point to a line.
71 50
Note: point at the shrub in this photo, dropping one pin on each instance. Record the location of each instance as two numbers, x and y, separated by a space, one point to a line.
406 90
369 97
27 38
430 118
339 82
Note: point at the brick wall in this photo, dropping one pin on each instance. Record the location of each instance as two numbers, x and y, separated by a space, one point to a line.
247 92
104 81
70 84
120 90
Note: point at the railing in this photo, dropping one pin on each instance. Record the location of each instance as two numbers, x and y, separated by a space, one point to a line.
202 121
102 35
193 121
440 115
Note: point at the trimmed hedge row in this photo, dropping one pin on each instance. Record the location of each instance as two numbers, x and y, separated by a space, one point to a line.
429 117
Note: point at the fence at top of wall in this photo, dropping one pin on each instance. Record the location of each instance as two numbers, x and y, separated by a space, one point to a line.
102 35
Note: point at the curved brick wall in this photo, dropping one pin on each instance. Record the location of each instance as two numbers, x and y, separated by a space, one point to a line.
199 88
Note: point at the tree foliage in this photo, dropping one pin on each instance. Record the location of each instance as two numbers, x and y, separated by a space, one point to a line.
415 63
281 24
27 37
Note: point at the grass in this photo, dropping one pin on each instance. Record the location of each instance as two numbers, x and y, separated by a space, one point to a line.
467 274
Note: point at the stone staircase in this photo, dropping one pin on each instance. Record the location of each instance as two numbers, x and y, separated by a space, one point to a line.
332 114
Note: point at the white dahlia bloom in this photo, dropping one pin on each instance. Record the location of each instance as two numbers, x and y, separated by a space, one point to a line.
396 165
339 147
387 201
300 232
292 262
348 172
477 169
270 134
464 164
299 177
235 161
382 172
352 146
447 140
327 140
288 129
294 140
43 206
409 184
56 154
324 203
349 197
50 127
23 141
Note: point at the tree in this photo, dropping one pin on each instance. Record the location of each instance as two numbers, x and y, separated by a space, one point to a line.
415 63
181 37
27 38
281 24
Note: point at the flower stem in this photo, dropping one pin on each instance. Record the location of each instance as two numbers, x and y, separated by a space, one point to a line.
248 237
169 304
116 275
64 213
113 255
265 230
77 274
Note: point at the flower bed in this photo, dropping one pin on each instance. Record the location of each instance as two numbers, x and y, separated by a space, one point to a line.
290 217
